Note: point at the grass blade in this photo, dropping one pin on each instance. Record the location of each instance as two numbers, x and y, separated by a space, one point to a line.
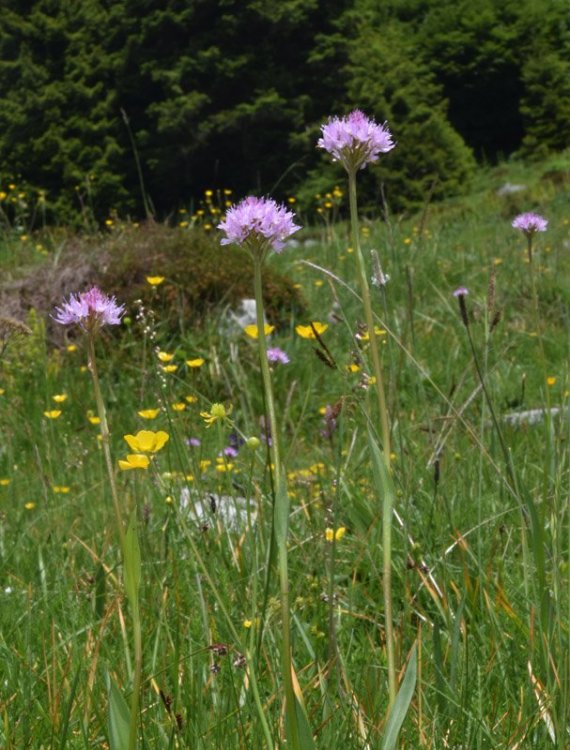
402 703
119 717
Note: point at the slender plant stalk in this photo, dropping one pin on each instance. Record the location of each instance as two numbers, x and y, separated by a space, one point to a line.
133 600
137 676
385 427
104 429
281 510
367 304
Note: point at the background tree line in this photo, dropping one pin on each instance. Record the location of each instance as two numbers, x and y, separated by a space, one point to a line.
231 93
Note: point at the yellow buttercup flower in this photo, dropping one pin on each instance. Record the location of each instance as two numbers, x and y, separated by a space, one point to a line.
337 535
52 414
148 413
353 367
165 356
147 441
60 490
134 461
4 482
59 398
551 380
169 368
155 280
29 506
179 406
93 419
253 331
71 347
191 399
217 412
364 335
307 332
198 362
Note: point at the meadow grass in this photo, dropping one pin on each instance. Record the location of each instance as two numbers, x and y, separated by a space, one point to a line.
481 531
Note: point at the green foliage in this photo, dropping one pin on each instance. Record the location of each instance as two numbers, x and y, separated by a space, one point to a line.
545 105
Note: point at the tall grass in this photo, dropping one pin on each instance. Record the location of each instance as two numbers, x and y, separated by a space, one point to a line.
481 532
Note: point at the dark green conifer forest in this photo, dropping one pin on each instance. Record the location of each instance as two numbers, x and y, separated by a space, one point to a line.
138 106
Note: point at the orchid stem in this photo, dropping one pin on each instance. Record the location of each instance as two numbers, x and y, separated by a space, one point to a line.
385 429
280 511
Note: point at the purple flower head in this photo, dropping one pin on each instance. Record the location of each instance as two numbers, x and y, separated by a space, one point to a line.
90 310
530 223
230 451
277 356
194 442
461 292
258 223
355 140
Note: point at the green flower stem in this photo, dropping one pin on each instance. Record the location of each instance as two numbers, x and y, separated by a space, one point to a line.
135 612
104 429
385 427
137 677
365 292
280 511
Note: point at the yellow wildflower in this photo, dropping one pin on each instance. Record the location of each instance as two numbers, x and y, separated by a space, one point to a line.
337 535
134 461
191 399
29 506
198 362
4 482
165 356
253 332
59 489
52 414
308 332
216 413
155 280
169 368
178 406
59 398
149 413
551 380
147 441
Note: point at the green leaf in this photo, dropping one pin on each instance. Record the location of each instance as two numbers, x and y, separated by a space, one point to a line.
306 741
132 562
119 717
401 704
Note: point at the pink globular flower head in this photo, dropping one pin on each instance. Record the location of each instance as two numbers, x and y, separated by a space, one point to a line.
90 310
355 140
530 223
258 224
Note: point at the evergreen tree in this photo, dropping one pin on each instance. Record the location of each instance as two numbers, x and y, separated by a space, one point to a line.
545 103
